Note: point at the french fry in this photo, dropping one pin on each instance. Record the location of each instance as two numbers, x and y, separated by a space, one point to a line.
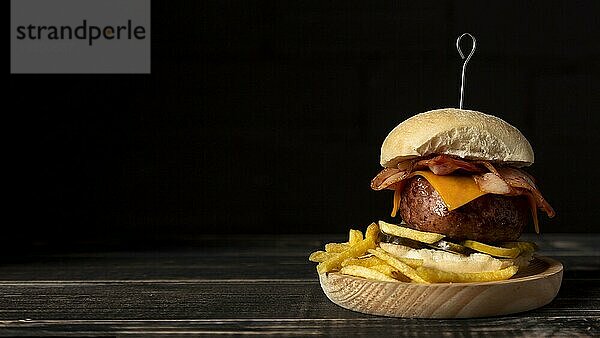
320 256
372 232
336 247
412 262
399 265
385 269
366 262
439 276
421 236
400 277
361 271
353 251
354 236
376 264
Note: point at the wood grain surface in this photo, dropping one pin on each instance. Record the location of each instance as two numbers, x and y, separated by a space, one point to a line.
251 285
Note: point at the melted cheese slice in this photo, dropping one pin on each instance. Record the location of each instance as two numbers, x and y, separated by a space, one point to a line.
456 191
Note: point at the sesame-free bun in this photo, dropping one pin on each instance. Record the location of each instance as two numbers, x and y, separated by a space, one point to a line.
467 134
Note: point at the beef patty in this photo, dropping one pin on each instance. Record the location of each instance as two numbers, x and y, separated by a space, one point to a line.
489 218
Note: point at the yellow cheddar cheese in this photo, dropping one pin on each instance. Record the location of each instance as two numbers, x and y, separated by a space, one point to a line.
456 191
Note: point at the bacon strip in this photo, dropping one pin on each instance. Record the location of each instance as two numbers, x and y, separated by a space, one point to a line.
489 166
439 165
501 180
397 197
523 181
534 212
492 183
445 165
388 177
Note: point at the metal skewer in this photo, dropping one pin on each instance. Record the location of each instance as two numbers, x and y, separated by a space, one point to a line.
464 67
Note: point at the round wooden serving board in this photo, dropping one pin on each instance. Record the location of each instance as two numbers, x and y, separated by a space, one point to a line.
531 288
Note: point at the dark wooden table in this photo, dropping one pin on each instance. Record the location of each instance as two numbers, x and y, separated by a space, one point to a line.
260 284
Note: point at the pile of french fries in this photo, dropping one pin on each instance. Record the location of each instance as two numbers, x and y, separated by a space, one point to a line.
362 257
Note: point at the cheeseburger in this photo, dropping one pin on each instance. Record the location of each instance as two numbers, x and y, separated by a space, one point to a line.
461 202
459 173
461 198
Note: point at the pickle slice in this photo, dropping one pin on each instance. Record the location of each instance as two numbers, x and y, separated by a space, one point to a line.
421 236
522 245
452 247
387 238
492 250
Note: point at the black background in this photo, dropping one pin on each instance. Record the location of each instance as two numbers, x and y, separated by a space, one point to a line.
267 117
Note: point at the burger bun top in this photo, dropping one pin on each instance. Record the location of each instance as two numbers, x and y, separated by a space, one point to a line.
467 134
